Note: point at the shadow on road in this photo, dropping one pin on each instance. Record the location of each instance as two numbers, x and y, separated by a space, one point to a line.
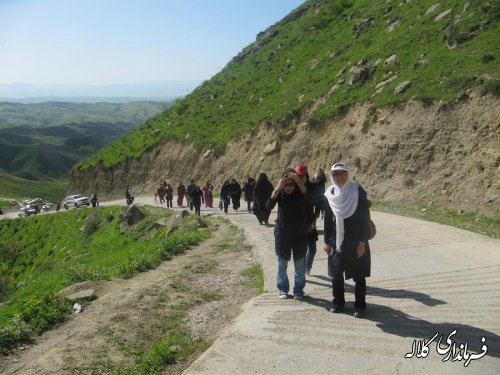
398 323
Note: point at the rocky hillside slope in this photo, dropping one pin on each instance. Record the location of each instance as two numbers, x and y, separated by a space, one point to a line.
412 153
407 93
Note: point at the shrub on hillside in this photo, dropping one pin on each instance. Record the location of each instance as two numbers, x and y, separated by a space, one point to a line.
41 312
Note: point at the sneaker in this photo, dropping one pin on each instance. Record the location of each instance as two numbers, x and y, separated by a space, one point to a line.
283 296
308 272
298 297
358 313
336 308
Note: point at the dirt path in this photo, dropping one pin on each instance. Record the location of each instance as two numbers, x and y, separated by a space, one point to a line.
208 278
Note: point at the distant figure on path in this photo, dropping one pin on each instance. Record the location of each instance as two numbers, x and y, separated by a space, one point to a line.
346 237
94 200
290 232
262 192
320 180
235 190
181 190
248 191
169 195
207 191
225 195
197 199
161 193
189 191
58 206
129 196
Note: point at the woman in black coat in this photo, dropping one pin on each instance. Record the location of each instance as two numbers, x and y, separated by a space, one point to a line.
235 190
346 237
262 190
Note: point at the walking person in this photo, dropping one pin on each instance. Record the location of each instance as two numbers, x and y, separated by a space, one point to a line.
346 237
235 191
262 191
129 196
197 199
248 191
315 200
189 191
225 195
181 190
320 180
94 200
58 206
290 232
169 195
161 194
208 193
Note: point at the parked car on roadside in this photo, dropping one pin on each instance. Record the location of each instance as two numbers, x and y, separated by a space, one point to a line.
47 206
76 200
27 211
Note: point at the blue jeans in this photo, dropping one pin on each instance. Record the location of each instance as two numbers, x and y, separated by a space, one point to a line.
282 282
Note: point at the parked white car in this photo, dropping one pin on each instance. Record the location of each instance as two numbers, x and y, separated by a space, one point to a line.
76 200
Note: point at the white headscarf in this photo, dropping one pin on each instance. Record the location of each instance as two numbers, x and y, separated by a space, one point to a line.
343 201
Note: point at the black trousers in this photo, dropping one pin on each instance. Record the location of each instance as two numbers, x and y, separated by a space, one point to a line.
337 268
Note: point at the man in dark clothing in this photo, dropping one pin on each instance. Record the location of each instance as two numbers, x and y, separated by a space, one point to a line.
225 195
197 199
190 189
248 190
94 200
290 232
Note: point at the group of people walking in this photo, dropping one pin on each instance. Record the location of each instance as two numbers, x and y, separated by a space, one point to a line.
301 201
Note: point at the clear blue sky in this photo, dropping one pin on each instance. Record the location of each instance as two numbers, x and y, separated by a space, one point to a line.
101 42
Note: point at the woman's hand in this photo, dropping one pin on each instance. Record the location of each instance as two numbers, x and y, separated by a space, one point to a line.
327 248
283 180
360 251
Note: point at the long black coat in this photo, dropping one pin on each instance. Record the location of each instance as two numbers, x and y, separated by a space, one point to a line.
263 189
355 230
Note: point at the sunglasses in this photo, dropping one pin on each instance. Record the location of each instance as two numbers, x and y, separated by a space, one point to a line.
289 185
338 173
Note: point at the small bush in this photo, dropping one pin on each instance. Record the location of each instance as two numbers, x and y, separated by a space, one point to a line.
41 312
17 331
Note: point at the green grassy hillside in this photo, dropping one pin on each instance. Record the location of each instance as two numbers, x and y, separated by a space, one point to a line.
41 255
18 188
303 63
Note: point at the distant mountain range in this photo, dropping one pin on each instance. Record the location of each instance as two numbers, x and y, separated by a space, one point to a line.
43 141
117 93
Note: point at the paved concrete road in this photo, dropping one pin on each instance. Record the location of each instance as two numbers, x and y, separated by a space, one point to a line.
427 279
